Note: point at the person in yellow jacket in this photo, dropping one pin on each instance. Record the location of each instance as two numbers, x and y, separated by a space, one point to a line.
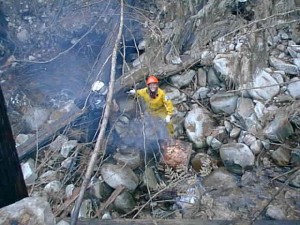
156 101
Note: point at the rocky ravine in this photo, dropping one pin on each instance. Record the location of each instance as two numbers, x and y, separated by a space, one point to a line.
237 105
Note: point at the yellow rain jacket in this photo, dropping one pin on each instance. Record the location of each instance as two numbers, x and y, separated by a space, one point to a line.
160 106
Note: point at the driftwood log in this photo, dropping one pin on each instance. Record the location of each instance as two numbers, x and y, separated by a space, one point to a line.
45 135
163 71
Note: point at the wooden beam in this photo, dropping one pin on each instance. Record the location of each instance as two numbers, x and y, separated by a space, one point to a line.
12 185
184 222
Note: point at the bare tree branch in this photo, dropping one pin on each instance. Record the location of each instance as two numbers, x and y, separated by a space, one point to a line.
104 122
262 20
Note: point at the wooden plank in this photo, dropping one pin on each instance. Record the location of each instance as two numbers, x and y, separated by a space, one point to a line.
12 184
46 134
184 222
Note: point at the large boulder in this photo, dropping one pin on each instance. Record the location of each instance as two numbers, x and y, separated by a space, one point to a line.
29 211
237 157
263 86
280 128
116 175
198 124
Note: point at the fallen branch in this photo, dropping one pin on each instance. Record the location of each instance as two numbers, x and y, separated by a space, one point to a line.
103 125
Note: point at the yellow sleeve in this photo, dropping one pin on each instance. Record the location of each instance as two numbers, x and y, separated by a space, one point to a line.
168 104
141 92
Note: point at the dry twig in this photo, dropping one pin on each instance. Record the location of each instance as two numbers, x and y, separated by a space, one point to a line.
103 124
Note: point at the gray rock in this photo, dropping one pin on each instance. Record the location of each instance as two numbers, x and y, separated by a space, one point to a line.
297 63
198 125
67 147
126 104
245 113
206 57
201 93
275 212
189 199
62 222
149 179
237 157
201 77
284 66
48 176
249 139
295 182
38 209
183 79
259 109
124 202
294 87
221 179
235 132
212 79
132 159
106 216
223 103
228 66
36 117
23 35
279 77
295 157
263 87
22 138
69 190
53 187
121 125
256 147
68 162
139 61
29 172
248 179
215 144
99 188
245 107
85 209
281 156
296 33
115 175
228 126
175 95
142 45
292 52
58 142
294 46
280 128
176 60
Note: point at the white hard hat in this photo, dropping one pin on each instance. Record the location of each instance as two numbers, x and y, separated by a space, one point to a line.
97 86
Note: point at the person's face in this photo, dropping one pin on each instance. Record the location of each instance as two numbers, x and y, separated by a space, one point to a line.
153 87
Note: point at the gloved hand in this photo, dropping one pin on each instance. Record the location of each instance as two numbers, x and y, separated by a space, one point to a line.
168 118
131 92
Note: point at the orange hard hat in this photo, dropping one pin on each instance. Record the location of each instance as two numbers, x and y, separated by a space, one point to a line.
151 79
